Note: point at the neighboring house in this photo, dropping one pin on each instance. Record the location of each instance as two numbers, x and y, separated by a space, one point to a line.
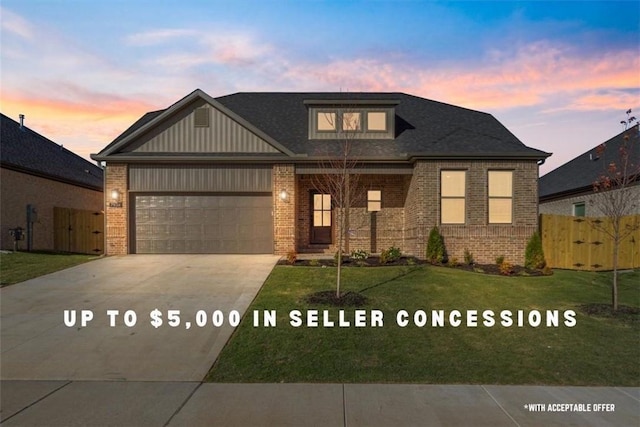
38 173
568 190
235 175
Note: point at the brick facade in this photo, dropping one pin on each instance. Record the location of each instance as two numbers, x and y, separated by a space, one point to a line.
411 207
371 232
117 230
284 211
44 194
483 240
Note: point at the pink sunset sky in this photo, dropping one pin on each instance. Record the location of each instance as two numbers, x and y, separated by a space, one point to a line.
559 75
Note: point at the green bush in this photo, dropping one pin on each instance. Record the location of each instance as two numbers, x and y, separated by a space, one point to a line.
468 257
390 255
435 247
359 255
499 259
534 255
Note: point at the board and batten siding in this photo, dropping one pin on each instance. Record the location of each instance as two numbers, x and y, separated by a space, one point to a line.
223 135
200 178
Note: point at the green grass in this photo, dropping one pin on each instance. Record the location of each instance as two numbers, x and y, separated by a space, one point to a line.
20 266
597 351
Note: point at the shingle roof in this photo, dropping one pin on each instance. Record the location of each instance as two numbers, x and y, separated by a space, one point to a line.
30 152
579 174
423 127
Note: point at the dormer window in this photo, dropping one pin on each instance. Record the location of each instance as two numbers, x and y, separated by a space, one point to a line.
326 121
376 121
359 119
351 121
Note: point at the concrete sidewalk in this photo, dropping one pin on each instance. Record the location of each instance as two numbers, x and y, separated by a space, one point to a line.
118 403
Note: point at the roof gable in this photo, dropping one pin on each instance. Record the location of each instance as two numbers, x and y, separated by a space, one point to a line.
29 152
173 131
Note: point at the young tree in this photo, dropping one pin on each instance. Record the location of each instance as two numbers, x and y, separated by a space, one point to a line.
339 180
616 198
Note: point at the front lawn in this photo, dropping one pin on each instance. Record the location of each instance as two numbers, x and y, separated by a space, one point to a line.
598 350
20 266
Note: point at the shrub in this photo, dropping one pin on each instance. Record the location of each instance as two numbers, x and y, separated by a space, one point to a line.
390 255
292 256
314 262
468 257
453 262
345 257
534 255
435 247
506 268
499 259
360 255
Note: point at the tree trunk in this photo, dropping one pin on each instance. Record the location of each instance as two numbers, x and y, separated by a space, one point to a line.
339 270
614 287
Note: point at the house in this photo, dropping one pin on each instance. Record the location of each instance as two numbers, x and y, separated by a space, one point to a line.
235 174
568 189
36 176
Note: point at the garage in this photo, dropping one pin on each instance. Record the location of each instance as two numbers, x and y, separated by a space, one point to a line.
175 224
201 209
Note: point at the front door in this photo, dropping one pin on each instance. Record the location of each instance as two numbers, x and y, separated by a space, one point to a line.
321 218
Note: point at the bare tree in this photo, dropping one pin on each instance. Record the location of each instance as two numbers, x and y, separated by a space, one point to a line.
339 180
616 198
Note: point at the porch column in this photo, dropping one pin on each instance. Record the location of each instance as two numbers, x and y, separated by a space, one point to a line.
116 211
284 209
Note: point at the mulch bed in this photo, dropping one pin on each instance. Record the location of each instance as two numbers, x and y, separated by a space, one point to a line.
374 261
624 312
347 299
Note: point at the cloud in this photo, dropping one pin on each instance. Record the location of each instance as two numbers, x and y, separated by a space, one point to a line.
157 37
15 24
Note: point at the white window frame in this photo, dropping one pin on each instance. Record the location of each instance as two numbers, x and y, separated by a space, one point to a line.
491 197
447 197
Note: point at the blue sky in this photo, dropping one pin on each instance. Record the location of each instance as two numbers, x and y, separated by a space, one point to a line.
559 75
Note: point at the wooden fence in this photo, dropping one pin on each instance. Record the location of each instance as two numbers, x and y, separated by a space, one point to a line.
78 231
573 243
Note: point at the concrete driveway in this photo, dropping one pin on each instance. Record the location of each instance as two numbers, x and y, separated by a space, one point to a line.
37 345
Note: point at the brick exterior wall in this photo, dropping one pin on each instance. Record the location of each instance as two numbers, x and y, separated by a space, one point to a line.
20 189
117 230
411 207
386 227
485 241
284 211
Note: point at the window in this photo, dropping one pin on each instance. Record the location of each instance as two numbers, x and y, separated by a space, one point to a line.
452 190
579 209
350 121
500 197
321 210
326 121
377 121
374 200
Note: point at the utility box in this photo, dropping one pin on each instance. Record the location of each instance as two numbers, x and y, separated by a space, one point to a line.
17 234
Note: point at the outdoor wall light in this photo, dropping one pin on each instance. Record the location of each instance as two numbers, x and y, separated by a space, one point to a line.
284 196
115 195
